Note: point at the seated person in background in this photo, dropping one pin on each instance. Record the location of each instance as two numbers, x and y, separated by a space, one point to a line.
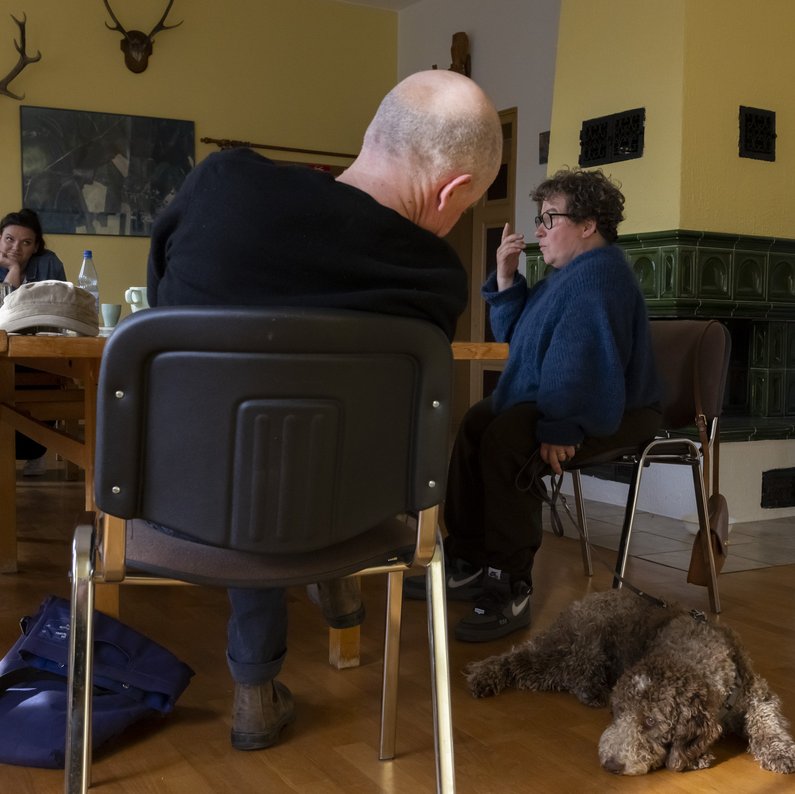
367 240
23 255
25 258
580 378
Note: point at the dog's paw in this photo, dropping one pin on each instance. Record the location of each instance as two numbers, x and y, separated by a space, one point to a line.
702 762
593 698
778 757
484 678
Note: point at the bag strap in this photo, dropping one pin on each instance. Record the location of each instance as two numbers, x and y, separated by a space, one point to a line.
701 420
22 675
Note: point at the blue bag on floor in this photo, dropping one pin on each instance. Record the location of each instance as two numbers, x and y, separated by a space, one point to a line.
134 677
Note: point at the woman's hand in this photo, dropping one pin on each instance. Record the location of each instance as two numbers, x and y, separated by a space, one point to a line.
508 257
556 454
15 272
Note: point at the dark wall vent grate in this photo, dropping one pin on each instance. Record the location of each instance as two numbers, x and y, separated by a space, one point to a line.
778 488
757 134
611 139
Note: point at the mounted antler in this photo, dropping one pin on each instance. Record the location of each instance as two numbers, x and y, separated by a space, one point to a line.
24 60
137 45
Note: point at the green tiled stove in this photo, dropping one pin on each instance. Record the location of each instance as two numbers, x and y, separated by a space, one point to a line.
748 283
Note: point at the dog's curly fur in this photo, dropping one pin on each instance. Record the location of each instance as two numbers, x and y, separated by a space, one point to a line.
675 684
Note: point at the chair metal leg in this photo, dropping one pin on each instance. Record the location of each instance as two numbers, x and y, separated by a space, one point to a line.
703 523
629 520
81 648
389 686
440 672
582 523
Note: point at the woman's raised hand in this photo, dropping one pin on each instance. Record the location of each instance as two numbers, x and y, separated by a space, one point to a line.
508 253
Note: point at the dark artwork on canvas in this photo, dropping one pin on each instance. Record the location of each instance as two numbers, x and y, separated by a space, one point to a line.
101 173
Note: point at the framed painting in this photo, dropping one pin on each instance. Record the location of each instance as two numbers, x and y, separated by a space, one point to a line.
101 173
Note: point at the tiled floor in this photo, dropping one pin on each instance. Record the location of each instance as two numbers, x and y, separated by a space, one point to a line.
666 541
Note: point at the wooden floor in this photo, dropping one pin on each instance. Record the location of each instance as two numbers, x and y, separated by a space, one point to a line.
517 742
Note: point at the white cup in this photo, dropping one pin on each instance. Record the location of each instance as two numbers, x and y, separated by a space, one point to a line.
136 297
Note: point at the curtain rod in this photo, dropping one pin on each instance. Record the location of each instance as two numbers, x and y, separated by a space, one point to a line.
227 143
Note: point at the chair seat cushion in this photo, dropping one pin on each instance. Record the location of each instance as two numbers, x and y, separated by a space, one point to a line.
153 551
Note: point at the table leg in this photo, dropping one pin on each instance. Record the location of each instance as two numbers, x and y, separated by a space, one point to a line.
8 477
343 647
90 379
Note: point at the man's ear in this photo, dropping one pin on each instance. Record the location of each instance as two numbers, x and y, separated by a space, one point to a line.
589 227
447 190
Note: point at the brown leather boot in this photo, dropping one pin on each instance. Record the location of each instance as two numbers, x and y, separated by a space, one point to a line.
260 712
340 600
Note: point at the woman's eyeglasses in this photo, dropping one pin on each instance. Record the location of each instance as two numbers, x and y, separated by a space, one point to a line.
546 218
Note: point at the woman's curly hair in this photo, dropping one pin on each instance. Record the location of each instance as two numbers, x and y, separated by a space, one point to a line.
588 194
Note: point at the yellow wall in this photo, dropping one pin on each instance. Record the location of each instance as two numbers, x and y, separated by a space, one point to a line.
738 54
691 64
300 73
616 55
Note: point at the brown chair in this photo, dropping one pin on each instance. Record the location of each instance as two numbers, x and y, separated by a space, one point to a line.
681 348
322 427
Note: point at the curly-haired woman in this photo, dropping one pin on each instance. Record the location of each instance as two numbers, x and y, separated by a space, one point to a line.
580 378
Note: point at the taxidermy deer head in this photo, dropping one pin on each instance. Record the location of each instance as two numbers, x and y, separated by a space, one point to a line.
137 45
24 60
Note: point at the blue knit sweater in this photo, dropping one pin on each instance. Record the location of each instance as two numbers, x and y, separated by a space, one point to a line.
580 346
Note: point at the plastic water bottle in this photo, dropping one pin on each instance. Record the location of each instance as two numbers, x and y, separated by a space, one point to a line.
87 278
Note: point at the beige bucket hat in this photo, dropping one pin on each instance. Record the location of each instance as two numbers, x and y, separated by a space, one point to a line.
50 304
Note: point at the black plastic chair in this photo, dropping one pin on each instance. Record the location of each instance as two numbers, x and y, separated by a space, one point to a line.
323 429
681 348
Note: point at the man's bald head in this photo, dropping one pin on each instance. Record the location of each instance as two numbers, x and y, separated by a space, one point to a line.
440 123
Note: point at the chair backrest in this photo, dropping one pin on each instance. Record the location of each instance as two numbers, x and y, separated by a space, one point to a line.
271 430
677 345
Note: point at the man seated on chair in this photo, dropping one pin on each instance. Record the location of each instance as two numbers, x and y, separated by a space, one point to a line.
246 231
580 379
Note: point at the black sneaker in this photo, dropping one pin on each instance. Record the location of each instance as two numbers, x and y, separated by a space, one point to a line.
503 608
463 580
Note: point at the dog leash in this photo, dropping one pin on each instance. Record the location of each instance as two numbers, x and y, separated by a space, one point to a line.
731 698
529 479
658 602
698 615
533 470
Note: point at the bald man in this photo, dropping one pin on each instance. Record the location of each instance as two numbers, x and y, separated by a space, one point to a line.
244 230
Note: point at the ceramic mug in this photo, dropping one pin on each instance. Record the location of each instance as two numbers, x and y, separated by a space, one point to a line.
136 297
110 314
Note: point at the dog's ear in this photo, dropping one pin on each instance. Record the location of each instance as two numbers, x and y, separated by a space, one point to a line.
695 732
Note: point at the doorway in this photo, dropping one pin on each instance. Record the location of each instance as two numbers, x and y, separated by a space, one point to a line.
476 238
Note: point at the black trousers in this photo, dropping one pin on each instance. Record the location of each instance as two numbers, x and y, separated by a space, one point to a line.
490 521
27 448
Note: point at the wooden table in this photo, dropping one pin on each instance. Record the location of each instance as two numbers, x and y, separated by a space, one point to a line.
480 351
76 358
